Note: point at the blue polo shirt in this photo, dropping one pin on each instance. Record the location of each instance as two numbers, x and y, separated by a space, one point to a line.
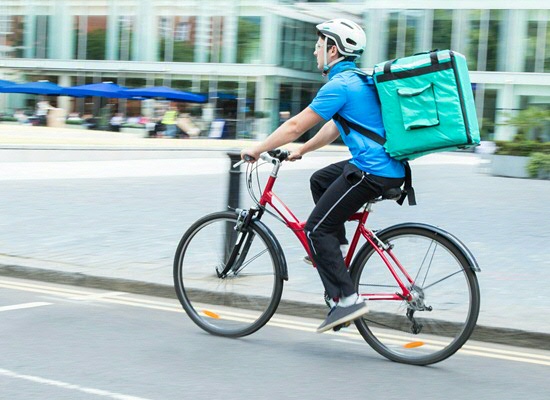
349 95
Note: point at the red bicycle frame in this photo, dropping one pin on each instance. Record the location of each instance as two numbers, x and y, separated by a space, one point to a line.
384 251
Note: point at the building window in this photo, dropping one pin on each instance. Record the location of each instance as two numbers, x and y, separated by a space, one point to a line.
403 28
125 36
92 37
176 38
485 27
537 54
11 36
298 44
442 29
248 40
41 36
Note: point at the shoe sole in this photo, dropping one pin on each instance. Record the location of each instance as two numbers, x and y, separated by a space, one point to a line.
351 317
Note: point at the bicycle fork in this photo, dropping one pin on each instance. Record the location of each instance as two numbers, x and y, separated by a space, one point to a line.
238 247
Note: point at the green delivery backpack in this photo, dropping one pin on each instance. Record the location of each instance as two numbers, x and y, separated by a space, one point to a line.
427 104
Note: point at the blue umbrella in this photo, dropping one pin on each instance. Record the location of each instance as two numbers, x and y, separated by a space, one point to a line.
40 87
104 89
4 83
166 93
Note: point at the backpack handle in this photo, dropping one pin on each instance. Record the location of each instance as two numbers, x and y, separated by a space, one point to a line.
433 58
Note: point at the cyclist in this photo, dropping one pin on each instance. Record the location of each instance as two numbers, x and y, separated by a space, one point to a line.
340 189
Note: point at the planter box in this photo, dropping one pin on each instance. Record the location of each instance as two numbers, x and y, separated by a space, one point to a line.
511 166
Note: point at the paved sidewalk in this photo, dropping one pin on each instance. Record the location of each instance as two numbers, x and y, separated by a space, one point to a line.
510 216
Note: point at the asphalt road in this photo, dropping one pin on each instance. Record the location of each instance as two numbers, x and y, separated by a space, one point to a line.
62 342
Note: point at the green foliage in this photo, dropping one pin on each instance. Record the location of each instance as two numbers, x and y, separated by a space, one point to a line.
539 165
530 118
523 148
8 119
74 122
183 51
248 39
127 125
96 45
261 114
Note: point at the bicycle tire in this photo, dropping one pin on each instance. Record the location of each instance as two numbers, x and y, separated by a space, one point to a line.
451 289
211 301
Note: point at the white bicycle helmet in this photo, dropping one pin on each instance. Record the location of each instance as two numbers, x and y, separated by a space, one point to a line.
349 37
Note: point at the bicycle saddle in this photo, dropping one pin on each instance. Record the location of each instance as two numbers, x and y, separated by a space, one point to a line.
392 194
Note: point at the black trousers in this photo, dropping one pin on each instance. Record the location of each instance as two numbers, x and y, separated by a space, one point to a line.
338 190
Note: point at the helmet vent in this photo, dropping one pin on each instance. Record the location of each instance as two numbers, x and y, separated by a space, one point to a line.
350 41
348 25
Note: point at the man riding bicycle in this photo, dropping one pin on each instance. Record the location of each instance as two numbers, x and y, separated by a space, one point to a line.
340 189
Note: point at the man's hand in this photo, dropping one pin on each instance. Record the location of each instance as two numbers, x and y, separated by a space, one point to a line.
295 155
250 155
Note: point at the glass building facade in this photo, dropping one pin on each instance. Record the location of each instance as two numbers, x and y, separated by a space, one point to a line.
253 57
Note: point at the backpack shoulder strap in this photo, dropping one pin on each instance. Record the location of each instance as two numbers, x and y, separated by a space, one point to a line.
346 125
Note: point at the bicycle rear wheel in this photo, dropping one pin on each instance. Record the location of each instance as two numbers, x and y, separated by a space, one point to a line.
444 311
243 300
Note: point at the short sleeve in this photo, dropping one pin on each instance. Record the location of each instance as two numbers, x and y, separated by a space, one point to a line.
330 99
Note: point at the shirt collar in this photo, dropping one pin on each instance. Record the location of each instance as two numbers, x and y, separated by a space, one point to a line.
341 66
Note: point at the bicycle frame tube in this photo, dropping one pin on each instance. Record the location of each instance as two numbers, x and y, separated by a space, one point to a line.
269 198
369 236
297 226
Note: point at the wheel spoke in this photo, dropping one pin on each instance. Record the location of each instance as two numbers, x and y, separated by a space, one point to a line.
254 288
441 312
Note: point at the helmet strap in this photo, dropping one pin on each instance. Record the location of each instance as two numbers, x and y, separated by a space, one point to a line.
328 66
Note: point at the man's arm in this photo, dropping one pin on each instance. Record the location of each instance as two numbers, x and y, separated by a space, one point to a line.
286 133
326 135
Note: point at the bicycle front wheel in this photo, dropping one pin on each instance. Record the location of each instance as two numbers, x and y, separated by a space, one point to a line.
239 301
444 308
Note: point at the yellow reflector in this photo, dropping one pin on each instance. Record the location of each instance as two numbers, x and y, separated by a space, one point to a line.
211 314
413 345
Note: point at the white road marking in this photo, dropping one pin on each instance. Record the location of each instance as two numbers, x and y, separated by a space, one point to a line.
346 336
97 296
68 386
23 306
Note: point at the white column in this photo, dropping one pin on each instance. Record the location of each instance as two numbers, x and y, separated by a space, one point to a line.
541 40
61 37
29 34
426 30
506 104
144 43
202 35
376 29
112 32
460 31
229 34
267 95
511 44
270 38
64 102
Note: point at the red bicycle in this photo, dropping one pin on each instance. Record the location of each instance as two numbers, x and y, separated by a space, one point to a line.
420 281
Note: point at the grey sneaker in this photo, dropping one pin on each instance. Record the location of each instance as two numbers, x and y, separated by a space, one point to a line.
340 315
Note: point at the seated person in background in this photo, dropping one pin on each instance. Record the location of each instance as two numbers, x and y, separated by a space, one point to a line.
21 117
115 122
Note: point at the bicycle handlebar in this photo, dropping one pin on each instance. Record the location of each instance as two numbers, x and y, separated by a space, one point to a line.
271 156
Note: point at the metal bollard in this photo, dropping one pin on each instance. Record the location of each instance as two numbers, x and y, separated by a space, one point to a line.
234 190
233 199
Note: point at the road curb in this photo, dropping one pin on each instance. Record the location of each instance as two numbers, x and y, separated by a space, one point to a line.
500 335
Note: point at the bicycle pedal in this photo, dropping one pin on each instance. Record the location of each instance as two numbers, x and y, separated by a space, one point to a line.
344 325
